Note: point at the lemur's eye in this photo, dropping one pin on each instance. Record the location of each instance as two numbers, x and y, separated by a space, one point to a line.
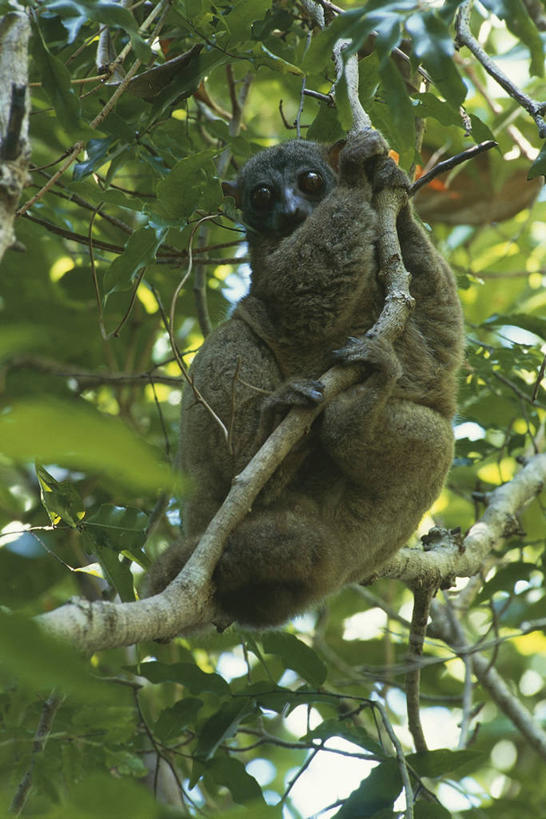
262 197
311 182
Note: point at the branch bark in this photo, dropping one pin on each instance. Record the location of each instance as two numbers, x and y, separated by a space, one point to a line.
449 559
15 149
466 38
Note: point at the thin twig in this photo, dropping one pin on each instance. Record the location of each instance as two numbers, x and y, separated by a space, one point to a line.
538 381
466 38
451 631
88 378
404 773
467 686
449 164
49 710
101 116
421 608
174 346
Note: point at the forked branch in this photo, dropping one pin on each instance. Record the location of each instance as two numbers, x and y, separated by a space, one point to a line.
466 38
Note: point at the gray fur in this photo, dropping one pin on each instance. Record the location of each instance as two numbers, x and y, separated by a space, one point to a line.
351 494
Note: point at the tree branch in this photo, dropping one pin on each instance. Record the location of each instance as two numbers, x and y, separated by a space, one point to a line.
451 631
421 608
187 601
449 559
15 149
452 162
41 736
466 38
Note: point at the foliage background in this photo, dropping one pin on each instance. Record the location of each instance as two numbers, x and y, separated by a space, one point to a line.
90 395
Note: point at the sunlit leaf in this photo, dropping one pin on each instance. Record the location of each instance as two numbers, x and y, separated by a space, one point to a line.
77 436
61 499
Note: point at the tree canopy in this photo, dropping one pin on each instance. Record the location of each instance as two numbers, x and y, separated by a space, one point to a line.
120 253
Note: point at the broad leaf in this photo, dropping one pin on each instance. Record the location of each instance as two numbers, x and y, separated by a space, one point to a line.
295 654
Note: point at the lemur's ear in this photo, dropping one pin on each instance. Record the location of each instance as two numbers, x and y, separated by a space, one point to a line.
334 152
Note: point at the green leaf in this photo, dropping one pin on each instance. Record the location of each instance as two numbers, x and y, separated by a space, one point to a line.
489 410
538 168
443 762
27 571
222 725
74 13
174 720
375 793
480 131
275 60
117 572
120 528
238 21
105 795
430 106
61 500
368 79
98 153
186 674
433 45
523 27
344 25
352 733
75 435
191 183
343 106
424 809
17 337
55 79
40 663
533 324
389 33
271 697
295 654
125 763
326 126
505 579
116 723
275 18
231 773
140 250
400 109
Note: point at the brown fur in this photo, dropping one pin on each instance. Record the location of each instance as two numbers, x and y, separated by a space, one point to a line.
351 494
